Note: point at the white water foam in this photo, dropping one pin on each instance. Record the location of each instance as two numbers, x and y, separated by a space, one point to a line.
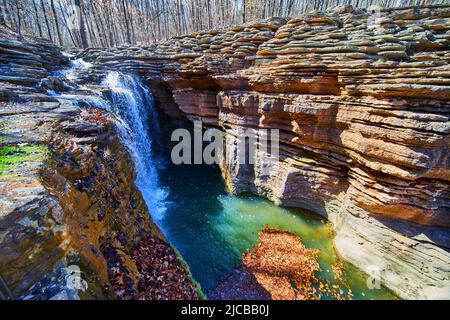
74 68
132 104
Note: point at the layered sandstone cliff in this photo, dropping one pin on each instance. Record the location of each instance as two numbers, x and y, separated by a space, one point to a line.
68 201
362 103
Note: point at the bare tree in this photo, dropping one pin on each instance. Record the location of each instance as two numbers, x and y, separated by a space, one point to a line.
127 26
49 33
55 17
36 15
115 22
81 25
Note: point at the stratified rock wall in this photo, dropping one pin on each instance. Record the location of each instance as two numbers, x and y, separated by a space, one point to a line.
68 201
362 103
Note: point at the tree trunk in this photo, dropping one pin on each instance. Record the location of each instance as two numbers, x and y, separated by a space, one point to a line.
158 19
130 17
127 26
58 30
208 5
97 22
84 42
46 21
89 28
19 19
2 16
66 24
36 14
164 11
280 8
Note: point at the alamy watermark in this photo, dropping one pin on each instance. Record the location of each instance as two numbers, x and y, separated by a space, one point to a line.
373 281
213 146
374 18
75 280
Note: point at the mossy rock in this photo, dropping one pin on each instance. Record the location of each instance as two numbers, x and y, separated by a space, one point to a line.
198 287
13 156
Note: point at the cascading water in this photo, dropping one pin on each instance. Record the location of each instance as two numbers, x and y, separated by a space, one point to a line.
210 228
132 104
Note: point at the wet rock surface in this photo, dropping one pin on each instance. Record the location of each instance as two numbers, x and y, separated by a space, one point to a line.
362 104
361 101
67 192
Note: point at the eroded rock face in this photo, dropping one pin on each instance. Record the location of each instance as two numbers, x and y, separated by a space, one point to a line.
362 103
68 200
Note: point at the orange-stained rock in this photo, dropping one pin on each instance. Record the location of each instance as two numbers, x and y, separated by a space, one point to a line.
362 104
67 194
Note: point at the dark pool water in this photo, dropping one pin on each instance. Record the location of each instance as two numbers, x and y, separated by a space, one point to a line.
212 229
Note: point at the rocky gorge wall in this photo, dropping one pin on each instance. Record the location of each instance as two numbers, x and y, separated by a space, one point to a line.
362 104
68 200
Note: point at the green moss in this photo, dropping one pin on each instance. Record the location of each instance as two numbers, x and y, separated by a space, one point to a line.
12 156
198 287
300 162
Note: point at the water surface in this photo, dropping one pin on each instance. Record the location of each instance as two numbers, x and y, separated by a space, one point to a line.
212 229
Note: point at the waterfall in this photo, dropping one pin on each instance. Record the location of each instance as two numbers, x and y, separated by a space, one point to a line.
72 73
75 66
137 121
132 105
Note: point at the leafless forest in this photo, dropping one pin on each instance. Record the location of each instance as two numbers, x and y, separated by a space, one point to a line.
107 23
